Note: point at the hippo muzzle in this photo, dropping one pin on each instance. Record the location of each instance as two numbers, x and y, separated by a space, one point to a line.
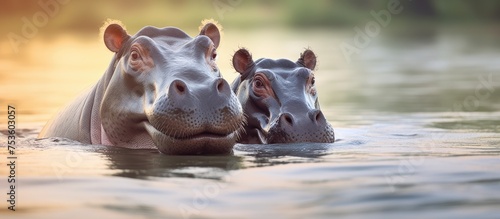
280 100
202 118
307 125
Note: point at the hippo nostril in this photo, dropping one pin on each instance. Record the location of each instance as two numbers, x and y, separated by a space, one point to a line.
317 116
220 85
287 118
178 87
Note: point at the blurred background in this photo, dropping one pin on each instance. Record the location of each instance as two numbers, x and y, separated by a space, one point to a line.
84 17
429 58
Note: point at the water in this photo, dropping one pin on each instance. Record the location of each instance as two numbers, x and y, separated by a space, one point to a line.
415 139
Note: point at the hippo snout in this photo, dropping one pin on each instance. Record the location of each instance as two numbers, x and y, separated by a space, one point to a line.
179 89
290 128
315 116
206 96
203 117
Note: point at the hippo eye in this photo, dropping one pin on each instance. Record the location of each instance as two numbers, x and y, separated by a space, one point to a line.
260 86
134 55
258 83
214 55
310 87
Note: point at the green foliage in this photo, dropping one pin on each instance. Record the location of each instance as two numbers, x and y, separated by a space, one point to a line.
468 9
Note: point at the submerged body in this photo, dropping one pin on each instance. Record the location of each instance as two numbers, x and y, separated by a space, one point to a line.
279 99
162 90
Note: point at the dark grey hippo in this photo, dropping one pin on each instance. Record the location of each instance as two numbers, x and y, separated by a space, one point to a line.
162 90
279 99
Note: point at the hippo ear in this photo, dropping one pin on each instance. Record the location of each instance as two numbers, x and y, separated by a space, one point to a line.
242 60
114 37
211 31
308 59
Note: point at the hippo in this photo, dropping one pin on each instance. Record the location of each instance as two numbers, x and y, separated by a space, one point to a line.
280 100
162 90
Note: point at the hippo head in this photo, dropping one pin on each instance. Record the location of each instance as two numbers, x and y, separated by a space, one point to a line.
280 100
166 92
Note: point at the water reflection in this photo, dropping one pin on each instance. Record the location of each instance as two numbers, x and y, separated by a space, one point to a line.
70 158
132 163
301 150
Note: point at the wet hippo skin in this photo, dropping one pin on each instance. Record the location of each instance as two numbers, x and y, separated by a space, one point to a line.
279 99
162 90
